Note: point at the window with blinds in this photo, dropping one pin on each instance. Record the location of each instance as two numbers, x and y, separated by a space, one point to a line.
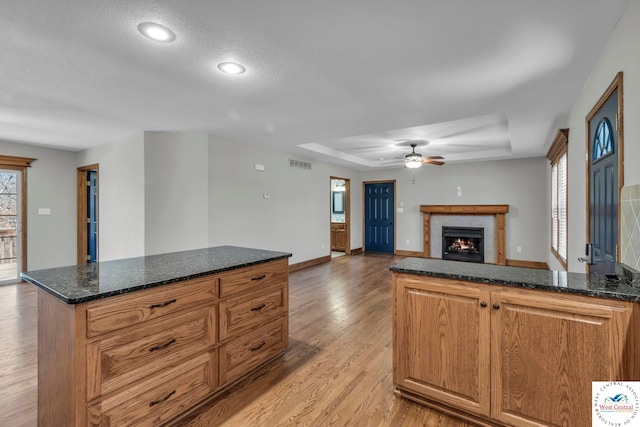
557 155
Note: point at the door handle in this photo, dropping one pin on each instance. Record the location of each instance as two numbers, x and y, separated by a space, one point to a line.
588 252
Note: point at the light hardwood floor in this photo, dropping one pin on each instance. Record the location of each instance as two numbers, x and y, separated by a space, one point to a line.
336 371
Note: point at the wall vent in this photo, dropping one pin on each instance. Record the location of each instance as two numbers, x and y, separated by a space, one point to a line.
299 164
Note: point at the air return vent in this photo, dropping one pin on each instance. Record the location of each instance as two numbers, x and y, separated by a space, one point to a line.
299 164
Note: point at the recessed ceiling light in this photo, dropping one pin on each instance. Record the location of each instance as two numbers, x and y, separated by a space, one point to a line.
156 32
231 68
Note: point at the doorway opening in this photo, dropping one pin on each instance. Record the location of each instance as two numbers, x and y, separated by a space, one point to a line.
87 214
13 218
340 216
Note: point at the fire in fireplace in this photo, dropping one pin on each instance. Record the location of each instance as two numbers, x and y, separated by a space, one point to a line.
463 244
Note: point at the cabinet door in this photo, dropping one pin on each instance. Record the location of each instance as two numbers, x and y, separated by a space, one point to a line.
441 341
341 239
546 350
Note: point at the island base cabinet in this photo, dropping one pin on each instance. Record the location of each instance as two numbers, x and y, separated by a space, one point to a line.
508 356
149 357
160 399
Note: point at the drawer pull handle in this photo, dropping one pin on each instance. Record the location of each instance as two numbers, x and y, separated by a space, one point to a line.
262 276
164 304
160 347
258 347
496 306
164 399
258 308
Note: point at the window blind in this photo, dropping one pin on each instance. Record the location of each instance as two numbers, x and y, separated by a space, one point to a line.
562 206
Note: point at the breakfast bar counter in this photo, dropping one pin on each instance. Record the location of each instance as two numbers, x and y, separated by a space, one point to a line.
625 286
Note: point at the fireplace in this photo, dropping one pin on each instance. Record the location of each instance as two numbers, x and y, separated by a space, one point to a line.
463 244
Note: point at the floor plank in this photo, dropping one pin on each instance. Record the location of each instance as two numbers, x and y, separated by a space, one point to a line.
18 355
336 371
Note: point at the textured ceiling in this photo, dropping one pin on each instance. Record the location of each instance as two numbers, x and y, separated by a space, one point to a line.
348 82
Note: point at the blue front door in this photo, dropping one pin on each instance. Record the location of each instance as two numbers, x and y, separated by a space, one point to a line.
603 192
379 217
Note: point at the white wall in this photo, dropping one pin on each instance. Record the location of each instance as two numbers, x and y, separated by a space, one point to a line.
51 183
175 191
121 195
620 54
521 183
296 217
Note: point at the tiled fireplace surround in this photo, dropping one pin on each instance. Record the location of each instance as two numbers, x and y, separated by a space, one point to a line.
490 217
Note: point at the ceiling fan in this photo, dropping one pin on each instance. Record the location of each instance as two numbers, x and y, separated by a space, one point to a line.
415 160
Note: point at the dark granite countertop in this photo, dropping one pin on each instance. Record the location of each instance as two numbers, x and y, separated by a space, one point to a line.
80 283
625 287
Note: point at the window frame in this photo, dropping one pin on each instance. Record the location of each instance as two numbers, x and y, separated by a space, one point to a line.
557 152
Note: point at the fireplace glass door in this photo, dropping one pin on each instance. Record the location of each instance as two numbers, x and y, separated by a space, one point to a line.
463 244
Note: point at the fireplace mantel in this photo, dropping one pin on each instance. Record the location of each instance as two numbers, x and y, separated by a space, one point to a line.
498 211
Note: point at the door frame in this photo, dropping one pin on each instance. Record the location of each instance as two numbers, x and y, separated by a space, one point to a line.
82 210
347 212
364 228
616 84
20 164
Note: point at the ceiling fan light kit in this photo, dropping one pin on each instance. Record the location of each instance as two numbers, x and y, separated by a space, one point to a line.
414 160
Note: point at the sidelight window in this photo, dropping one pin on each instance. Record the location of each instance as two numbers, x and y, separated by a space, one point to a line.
557 155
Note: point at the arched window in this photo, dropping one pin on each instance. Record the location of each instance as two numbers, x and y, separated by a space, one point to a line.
603 142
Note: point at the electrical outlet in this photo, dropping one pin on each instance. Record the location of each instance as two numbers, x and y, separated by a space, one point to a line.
407 241
518 248
322 246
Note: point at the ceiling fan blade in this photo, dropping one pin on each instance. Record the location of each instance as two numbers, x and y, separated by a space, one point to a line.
432 162
434 157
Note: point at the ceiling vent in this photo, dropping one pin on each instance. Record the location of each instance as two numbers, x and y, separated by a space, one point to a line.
299 164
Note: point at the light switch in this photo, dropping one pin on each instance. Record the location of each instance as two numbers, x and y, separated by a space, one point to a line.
259 167
400 210
44 211
266 195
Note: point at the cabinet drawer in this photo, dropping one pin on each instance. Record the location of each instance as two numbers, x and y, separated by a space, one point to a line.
252 278
245 312
122 359
159 398
247 352
126 310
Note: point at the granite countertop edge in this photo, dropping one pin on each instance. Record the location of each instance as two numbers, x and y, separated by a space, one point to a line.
268 256
577 283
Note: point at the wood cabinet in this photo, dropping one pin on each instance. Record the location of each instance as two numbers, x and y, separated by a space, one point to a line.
148 356
338 236
508 356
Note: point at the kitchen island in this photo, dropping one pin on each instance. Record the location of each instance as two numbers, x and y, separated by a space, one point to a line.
143 340
511 346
